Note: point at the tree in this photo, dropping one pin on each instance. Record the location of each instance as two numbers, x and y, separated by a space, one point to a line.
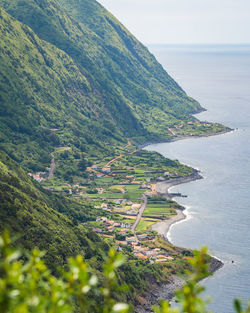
82 164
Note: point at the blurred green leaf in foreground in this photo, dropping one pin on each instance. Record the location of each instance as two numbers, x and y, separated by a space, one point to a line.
26 285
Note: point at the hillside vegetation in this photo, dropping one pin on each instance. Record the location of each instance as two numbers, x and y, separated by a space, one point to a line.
75 77
40 219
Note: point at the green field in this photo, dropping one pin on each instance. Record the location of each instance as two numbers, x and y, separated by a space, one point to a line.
159 208
144 225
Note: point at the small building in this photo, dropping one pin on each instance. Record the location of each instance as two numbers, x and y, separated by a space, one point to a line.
110 228
106 170
131 239
97 230
100 190
99 175
150 252
122 242
125 225
101 219
135 206
141 256
104 206
142 236
110 222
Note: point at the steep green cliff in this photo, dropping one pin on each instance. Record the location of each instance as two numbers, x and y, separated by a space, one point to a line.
90 84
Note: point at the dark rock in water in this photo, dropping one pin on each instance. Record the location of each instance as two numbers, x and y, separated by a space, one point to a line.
215 265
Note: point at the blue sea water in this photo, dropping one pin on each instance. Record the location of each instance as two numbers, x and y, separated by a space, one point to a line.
218 207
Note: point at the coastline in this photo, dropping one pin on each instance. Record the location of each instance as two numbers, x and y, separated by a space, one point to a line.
166 291
147 143
162 189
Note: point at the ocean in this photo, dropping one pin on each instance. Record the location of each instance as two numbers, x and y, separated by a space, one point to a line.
217 207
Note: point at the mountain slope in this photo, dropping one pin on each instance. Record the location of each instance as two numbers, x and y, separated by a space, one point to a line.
31 214
45 100
77 79
127 76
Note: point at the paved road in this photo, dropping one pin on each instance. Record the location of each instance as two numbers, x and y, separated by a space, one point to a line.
142 208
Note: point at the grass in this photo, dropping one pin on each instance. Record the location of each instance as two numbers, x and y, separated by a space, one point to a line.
144 225
159 209
134 191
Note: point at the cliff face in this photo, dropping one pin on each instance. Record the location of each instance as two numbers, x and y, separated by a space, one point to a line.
78 71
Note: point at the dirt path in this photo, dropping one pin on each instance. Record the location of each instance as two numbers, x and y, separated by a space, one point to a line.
121 155
114 159
129 144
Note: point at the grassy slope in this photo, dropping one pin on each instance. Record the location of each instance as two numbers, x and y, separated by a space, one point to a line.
32 215
41 89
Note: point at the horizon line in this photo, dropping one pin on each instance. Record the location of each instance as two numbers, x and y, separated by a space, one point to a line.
201 44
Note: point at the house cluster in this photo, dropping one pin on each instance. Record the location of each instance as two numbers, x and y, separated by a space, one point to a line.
104 172
110 225
104 207
155 255
39 177
143 252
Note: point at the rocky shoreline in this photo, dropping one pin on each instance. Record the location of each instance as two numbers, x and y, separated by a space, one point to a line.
167 291
162 188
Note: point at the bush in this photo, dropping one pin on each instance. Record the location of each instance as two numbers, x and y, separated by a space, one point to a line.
28 286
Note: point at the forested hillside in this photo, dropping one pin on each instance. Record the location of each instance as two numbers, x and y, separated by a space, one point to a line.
78 78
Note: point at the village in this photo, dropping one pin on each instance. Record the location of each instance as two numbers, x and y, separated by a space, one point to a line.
123 192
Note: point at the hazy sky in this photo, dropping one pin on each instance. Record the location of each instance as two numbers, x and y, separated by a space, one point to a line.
184 21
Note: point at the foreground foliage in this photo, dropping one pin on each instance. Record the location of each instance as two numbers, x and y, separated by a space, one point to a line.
26 285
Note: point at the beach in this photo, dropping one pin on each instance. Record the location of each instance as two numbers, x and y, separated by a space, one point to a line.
162 189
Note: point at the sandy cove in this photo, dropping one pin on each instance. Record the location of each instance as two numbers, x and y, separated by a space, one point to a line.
162 228
162 189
